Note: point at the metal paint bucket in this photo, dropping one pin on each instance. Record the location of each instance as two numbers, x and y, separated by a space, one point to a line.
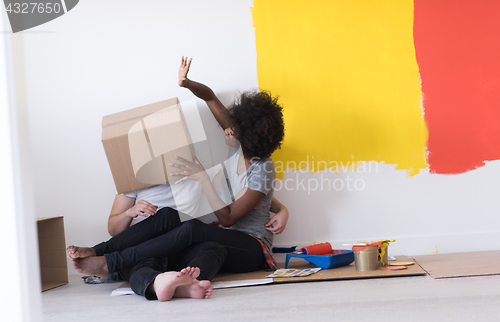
365 258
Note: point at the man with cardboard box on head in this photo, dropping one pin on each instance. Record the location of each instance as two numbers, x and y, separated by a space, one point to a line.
257 122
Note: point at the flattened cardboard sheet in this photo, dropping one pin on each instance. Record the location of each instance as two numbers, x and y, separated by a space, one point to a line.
225 280
338 273
460 264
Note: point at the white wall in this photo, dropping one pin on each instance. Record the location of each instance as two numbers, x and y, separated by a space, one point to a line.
453 213
107 56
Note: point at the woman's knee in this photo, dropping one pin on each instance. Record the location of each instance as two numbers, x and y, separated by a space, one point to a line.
193 225
215 247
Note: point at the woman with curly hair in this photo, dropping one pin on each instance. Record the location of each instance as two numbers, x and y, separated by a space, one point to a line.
254 129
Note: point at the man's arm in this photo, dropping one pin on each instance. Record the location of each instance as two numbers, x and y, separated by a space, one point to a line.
124 210
219 111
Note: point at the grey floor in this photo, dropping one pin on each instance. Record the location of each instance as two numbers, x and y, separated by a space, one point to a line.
419 298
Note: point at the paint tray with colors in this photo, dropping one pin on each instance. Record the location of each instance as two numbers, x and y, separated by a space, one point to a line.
336 258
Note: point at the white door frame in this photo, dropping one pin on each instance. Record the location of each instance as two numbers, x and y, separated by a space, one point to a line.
20 298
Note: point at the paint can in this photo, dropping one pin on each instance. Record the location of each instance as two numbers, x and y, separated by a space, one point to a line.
383 250
365 258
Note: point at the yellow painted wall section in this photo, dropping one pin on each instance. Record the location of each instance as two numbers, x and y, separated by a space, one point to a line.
346 73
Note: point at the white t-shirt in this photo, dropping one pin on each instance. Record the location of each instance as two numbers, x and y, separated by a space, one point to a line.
183 196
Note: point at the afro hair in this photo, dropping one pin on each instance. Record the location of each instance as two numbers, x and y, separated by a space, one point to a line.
257 120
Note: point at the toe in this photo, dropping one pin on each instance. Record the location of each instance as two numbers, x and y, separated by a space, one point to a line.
195 272
205 284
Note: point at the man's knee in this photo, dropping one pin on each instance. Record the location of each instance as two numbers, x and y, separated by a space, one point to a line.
169 213
167 217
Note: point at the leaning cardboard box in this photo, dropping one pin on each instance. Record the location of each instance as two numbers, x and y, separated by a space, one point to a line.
141 143
52 251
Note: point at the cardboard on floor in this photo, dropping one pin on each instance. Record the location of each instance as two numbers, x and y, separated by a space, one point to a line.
460 264
338 273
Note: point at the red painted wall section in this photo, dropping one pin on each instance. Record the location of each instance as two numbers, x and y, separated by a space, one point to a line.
457 45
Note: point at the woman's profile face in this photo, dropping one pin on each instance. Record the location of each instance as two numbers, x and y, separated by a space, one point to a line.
230 139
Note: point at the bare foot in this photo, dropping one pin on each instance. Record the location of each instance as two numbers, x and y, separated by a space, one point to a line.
80 252
195 290
94 265
166 283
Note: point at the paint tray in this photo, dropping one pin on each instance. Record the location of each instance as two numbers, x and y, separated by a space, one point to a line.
338 257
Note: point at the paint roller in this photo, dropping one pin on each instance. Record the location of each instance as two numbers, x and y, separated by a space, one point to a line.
317 249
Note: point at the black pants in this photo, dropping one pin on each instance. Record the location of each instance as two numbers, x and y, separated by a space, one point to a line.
208 256
163 235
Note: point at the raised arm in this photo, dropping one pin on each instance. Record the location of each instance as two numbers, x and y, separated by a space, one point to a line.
203 92
124 210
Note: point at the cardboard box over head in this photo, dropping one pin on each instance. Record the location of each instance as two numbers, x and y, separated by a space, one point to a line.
141 143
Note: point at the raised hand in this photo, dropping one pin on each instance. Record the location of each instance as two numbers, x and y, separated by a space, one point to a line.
183 71
190 170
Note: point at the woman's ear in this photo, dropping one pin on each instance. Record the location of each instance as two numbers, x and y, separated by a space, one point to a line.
229 132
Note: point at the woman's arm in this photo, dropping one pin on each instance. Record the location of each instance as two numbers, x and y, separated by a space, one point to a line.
219 111
281 217
277 206
124 210
244 202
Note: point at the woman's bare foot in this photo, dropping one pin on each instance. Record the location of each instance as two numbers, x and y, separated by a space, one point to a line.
80 252
166 283
195 290
94 265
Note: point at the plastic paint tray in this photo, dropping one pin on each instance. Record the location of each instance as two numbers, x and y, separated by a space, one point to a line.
338 257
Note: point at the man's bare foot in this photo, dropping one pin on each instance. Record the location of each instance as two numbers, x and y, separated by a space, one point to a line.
195 290
166 283
80 252
94 265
